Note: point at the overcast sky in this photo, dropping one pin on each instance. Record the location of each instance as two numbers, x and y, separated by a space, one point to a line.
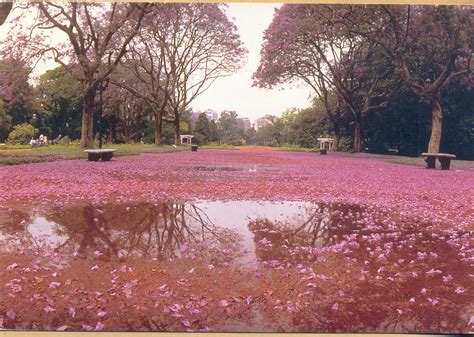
236 92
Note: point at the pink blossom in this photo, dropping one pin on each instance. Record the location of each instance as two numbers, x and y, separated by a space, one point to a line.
11 314
223 303
248 300
99 326
101 313
12 266
47 309
54 285
186 323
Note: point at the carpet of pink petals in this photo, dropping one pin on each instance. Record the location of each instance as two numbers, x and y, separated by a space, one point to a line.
438 197
414 265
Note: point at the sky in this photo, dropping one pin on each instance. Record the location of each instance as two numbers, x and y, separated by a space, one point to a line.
236 92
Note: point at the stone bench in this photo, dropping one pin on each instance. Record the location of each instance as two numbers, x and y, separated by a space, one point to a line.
444 159
103 154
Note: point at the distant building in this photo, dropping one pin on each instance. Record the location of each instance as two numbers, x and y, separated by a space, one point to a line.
264 121
194 117
210 114
244 123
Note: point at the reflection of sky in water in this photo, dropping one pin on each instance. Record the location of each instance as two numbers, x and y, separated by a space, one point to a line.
237 214
40 232
44 231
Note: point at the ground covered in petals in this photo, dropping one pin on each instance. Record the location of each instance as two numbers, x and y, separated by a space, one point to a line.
237 241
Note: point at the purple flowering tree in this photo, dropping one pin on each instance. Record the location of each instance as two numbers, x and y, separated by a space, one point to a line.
429 45
94 37
311 43
179 53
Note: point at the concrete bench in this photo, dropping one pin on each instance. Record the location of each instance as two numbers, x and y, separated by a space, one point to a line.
444 159
96 154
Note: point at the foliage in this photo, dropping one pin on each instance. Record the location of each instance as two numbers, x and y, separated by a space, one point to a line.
186 48
61 99
95 38
21 134
430 46
5 122
228 129
311 43
202 130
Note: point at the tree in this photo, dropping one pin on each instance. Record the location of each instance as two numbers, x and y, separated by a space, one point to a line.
5 9
5 122
21 134
16 94
97 36
125 114
61 99
228 129
309 43
197 44
272 134
213 132
202 130
429 45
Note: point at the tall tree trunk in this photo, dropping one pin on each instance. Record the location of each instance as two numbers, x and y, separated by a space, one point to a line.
436 126
158 127
337 137
358 136
87 128
177 131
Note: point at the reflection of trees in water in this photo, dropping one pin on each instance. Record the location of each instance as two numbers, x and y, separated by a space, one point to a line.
388 267
147 230
325 225
12 220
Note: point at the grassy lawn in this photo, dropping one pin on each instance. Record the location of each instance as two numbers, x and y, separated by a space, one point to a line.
20 154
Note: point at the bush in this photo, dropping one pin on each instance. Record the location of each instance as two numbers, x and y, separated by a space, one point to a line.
64 141
21 134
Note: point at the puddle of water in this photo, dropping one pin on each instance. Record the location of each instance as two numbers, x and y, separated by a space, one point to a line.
153 230
389 263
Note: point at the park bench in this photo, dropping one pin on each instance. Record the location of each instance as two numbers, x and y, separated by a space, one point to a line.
444 159
96 154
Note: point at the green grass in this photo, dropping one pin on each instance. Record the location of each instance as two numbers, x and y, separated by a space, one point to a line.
220 147
21 154
295 148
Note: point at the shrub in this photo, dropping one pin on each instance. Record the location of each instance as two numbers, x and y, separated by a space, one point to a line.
21 134
64 141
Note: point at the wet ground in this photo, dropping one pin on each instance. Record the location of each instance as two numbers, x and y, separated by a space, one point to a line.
237 241
237 265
